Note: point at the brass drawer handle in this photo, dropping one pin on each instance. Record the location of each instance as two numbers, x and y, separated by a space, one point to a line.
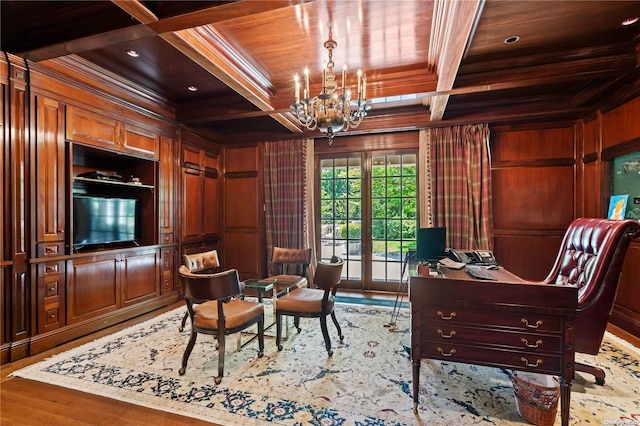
441 315
526 343
526 322
451 352
526 362
449 336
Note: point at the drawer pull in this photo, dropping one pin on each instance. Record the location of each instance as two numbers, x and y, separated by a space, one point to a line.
526 362
48 269
451 352
526 343
441 315
52 289
526 322
448 336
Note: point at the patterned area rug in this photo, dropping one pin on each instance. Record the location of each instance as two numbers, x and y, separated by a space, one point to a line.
367 381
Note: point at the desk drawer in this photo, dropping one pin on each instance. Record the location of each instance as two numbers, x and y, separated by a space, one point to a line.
495 357
527 322
451 333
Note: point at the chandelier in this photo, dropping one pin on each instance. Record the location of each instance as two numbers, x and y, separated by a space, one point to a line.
333 109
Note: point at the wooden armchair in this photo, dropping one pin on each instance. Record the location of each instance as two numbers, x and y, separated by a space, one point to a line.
215 307
206 262
313 302
590 258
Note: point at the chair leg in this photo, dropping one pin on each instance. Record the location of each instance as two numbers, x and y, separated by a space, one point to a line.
296 323
221 350
187 352
184 321
597 372
335 322
260 339
278 330
325 334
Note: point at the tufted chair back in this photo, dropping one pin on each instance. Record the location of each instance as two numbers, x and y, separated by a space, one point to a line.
201 262
590 258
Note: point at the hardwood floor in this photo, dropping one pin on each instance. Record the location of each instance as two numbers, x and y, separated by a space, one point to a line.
26 402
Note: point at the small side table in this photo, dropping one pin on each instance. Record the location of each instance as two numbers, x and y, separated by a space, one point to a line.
262 286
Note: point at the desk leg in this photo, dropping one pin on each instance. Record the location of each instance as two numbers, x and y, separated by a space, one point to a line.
416 384
565 400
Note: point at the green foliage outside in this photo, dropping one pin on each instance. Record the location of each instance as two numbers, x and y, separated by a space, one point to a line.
393 204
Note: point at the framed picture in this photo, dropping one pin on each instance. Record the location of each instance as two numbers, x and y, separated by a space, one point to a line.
618 206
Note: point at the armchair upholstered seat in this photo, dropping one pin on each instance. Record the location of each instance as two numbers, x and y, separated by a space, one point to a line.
590 258
313 302
205 262
216 308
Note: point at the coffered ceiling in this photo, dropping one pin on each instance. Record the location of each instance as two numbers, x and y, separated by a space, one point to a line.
427 62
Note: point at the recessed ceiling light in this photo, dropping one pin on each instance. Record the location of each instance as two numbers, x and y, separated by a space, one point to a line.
629 21
192 88
512 39
132 53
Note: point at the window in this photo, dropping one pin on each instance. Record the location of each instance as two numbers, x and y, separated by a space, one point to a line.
368 215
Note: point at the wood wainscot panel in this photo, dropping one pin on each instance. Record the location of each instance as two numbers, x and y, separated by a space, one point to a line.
621 124
244 159
591 190
533 198
626 311
537 144
528 256
242 250
239 205
591 138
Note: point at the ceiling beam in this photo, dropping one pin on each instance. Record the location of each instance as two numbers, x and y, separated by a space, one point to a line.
453 23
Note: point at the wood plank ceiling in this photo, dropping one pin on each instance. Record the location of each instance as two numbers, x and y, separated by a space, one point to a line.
428 62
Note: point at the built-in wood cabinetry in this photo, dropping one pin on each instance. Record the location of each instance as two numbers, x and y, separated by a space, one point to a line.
108 133
110 280
54 132
199 191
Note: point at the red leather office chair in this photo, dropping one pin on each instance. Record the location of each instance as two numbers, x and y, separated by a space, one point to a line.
591 257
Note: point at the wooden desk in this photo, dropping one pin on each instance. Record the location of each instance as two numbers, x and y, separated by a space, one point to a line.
510 323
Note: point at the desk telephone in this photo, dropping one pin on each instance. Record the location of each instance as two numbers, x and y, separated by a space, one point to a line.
482 257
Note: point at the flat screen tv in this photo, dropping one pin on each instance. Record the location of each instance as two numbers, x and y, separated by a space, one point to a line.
104 220
431 243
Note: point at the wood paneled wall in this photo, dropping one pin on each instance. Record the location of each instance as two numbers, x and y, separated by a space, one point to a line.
243 215
534 185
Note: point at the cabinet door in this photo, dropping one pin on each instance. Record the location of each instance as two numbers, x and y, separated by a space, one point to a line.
138 141
93 286
166 196
50 171
192 193
93 129
140 276
210 205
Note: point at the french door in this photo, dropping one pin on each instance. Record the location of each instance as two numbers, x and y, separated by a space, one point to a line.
368 214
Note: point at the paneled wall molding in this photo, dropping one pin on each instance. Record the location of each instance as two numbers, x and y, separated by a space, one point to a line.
533 163
623 148
59 80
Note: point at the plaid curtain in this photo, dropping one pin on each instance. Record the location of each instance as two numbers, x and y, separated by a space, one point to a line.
284 188
461 185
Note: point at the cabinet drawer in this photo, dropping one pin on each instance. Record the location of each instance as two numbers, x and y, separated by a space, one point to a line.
167 264
527 322
51 302
51 268
50 249
166 239
520 360
454 334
